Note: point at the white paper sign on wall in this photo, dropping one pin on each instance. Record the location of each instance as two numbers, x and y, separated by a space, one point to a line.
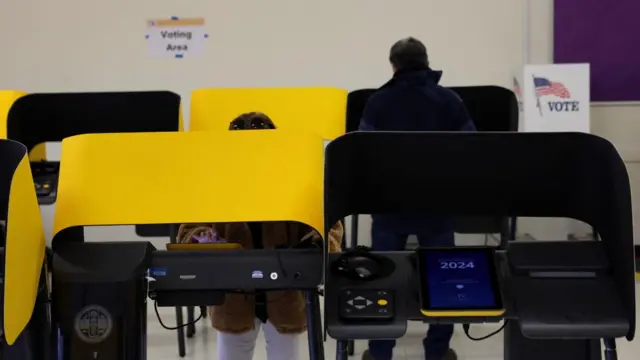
176 37
556 98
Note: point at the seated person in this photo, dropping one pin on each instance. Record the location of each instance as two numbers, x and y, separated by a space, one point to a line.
282 314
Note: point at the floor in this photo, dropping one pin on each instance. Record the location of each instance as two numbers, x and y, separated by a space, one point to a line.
162 344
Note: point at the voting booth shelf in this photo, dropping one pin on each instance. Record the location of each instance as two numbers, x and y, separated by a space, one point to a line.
25 332
549 175
284 183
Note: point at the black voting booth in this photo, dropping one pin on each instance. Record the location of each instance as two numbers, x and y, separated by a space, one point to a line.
545 284
50 117
492 108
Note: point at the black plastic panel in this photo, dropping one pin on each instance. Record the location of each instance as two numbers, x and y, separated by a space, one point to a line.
97 262
406 301
558 255
565 290
236 269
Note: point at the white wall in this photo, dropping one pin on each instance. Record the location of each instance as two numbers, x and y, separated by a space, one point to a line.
83 45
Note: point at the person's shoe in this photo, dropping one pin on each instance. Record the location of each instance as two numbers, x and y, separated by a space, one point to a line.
367 356
449 355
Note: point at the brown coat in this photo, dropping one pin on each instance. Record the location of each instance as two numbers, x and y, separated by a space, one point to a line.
285 309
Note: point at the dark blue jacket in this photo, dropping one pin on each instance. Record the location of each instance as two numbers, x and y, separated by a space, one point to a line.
413 101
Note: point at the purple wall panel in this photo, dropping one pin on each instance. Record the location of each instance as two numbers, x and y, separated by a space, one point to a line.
606 34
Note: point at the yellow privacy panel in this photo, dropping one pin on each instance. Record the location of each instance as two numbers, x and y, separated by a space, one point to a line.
38 153
25 242
180 118
318 109
158 178
7 98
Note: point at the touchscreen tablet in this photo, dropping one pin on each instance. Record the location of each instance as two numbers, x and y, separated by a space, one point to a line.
459 282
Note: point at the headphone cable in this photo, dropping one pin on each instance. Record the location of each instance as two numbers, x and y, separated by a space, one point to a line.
467 327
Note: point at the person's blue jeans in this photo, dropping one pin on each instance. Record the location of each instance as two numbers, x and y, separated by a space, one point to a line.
436 343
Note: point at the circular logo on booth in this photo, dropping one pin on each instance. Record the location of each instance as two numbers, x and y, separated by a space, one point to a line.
93 324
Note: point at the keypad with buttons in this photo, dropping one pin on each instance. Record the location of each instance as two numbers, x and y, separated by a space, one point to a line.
366 304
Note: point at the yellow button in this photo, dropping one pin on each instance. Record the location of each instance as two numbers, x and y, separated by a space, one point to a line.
382 302
46 186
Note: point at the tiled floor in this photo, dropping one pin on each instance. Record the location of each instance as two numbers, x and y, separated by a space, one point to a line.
162 344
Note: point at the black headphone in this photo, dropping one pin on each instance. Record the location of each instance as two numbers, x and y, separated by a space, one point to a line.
360 264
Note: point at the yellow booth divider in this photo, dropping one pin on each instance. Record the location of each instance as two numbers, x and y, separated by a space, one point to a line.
25 241
318 109
7 98
190 177
180 118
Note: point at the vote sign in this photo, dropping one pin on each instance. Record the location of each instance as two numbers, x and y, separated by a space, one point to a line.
556 98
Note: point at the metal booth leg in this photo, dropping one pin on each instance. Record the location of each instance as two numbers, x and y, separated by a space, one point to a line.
173 238
351 347
354 231
342 347
191 327
314 326
513 228
180 332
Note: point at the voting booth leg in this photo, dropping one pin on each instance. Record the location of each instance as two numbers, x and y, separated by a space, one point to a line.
101 311
173 238
180 331
191 326
354 231
342 349
314 326
517 347
351 347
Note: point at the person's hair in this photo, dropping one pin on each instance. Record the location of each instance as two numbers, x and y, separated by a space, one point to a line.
252 121
409 54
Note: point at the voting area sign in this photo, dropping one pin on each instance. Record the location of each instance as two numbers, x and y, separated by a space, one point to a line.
556 98
176 37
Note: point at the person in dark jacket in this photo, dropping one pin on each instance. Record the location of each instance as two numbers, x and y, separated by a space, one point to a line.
413 101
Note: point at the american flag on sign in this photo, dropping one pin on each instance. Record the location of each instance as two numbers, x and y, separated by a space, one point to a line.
516 88
545 87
